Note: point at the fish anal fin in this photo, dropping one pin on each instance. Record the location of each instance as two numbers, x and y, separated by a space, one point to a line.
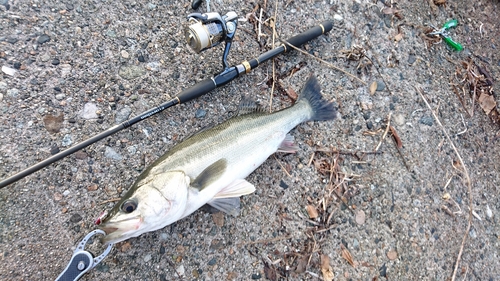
230 206
210 174
288 146
236 189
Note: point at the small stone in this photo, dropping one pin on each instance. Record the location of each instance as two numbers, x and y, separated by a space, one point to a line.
53 123
489 213
45 57
13 93
92 187
256 276
125 54
1 97
17 65
9 71
43 39
392 255
75 218
89 111
112 154
122 115
60 96
80 155
67 140
3 85
132 149
380 86
180 270
412 58
283 184
200 113
426 120
360 217
212 261
151 6
147 258
55 61
131 71
338 17
102 267
141 58
11 40
399 119
58 196
66 193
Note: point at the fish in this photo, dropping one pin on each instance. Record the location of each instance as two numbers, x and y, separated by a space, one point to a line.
210 167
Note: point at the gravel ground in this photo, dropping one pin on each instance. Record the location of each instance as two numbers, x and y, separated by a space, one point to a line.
71 69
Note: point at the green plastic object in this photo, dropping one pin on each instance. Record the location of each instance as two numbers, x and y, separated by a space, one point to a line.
454 45
449 24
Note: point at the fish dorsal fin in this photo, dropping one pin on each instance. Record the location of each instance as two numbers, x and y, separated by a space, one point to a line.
210 174
248 106
236 189
229 206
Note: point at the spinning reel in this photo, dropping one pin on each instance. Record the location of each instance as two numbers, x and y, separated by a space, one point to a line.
208 30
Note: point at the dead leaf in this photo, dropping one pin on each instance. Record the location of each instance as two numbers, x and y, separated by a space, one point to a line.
347 255
218 219
292 94
392 255
396 137
270 272
373 87
53 123
313 213
487 102
360 217
326 269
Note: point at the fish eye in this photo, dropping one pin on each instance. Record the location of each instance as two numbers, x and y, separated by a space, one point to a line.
129 206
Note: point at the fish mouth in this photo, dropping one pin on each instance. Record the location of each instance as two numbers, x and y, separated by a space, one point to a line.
117 231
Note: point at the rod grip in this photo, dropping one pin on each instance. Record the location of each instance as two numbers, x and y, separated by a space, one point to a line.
197 90
299 39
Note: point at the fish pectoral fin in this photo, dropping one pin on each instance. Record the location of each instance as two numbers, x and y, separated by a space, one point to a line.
287 145
230 206
236 189
210 174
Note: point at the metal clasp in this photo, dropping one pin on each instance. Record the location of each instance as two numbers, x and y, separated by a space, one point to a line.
82 261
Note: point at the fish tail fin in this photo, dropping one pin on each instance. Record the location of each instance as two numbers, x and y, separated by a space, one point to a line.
321 108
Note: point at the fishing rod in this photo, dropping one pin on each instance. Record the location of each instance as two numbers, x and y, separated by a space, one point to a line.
206 30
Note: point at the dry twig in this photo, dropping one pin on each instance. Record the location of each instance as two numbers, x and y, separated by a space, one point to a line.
469 184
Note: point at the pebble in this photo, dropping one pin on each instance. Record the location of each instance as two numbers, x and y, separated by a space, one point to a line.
89 111
380 86
13 93
163 236
212 261
132 149
55 61
122 115
66 193
67 140
489 213
45 57
256 276
131 71
17 65
399 119
338 17
75 218
11 40
141 58
43 39
426 120
112 154
180 270
102 267
200 113
1 97
9 71
125 54
147 258
60 96
412 58
3 85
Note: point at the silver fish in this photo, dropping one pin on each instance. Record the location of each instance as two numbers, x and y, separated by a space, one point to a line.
210 167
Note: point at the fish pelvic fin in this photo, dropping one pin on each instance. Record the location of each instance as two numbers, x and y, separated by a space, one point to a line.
230 206
228 201
321 108
210 174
